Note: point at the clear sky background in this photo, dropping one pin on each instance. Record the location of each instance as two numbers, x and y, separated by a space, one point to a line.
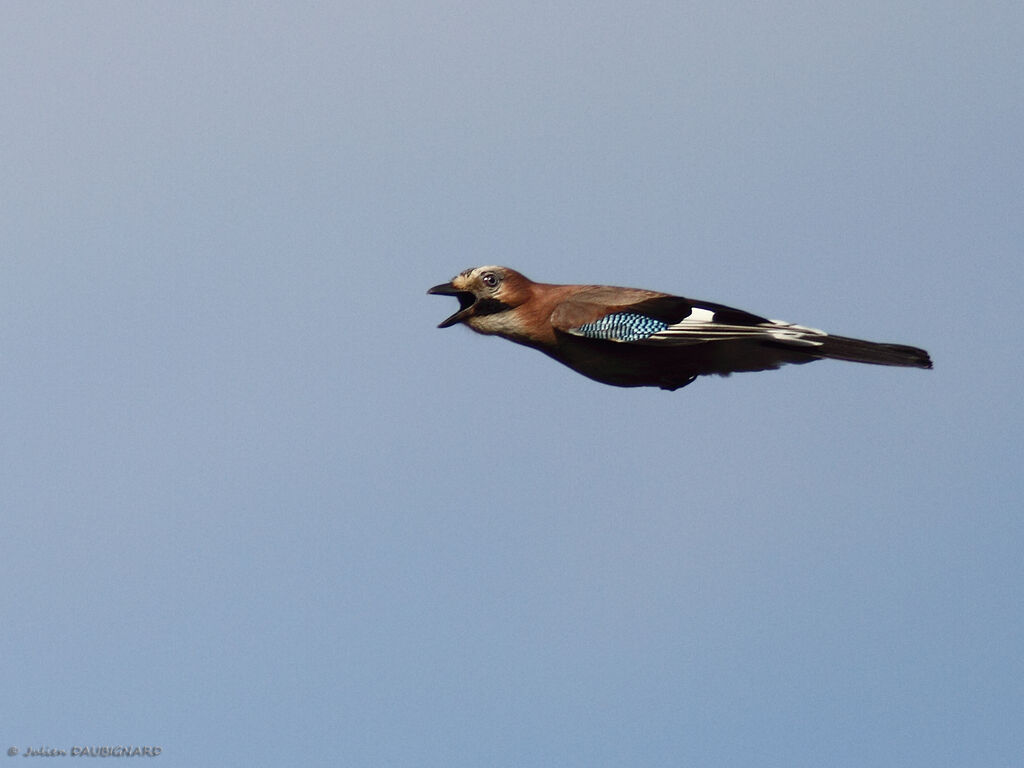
258 510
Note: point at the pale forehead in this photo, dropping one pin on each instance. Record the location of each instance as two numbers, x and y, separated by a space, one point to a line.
474 271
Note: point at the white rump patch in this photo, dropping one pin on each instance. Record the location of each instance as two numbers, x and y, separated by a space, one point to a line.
794 334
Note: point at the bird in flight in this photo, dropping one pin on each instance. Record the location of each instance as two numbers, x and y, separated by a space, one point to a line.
628 337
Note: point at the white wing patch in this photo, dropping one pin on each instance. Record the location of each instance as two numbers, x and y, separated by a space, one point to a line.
699 315
700 326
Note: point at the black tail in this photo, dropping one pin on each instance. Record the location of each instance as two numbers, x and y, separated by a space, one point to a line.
857 351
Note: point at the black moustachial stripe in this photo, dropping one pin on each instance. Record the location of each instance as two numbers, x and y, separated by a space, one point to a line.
630 338
490 307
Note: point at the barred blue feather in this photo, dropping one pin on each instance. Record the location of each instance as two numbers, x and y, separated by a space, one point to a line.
628 337
622 326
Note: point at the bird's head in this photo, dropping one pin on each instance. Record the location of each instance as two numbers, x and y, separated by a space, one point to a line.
486 295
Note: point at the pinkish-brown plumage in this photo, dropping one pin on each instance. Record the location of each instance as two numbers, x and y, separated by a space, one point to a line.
630 337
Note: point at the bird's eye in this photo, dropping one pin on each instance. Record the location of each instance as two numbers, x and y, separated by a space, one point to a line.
490 279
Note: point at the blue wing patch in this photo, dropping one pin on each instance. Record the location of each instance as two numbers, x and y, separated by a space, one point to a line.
621 326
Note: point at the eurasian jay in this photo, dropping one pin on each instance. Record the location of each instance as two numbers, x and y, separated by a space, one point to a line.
630 337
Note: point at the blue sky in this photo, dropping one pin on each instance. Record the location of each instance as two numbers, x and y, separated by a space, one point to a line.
259 510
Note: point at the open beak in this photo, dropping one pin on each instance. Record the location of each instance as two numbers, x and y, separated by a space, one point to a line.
466 302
